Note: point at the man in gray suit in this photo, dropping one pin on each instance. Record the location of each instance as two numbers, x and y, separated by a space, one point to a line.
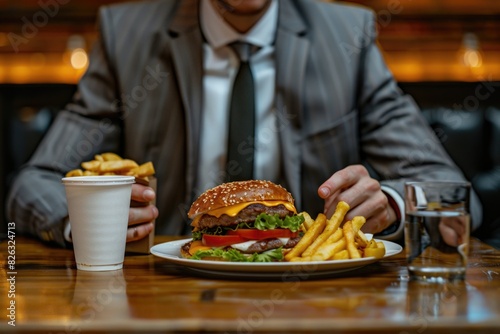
330 121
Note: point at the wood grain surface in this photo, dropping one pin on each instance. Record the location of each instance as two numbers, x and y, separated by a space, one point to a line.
150 295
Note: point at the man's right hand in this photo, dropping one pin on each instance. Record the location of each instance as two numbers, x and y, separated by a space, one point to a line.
141 214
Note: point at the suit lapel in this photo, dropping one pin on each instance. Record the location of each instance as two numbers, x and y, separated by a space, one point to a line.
187 52
291 54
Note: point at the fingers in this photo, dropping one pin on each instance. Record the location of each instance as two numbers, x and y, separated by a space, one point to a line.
143 214
342 179
449 235
458 224
141 193
355 187
377 211
364 195
137 232
379 222
452 229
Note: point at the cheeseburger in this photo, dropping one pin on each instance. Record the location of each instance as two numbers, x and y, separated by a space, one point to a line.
244 221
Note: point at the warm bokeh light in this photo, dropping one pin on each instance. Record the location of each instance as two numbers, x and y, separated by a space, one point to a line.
79 59
424 40
470 52
472 58
27 68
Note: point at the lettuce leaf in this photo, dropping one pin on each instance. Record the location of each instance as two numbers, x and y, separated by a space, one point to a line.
218 230
234 255
272 255
229 255
262 222
270 222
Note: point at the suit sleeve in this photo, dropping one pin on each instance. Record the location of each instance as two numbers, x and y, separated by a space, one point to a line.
395 138
90 124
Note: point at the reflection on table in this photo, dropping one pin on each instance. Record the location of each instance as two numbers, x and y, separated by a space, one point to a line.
150 295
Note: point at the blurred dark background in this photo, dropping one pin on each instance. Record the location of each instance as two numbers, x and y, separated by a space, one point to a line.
445 53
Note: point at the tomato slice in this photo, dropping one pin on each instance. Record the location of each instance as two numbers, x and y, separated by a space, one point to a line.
221 240
255 234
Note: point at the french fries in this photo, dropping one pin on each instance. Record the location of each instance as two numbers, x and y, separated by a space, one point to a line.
342 255
112 164
349 238
334 239
375 249
308 237
334 244
308 221
331 226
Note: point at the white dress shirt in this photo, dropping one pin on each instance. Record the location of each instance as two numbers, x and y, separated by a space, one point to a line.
220 64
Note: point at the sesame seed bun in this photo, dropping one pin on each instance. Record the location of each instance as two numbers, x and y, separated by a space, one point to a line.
238 192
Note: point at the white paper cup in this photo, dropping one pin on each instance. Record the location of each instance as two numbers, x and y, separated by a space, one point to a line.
98 209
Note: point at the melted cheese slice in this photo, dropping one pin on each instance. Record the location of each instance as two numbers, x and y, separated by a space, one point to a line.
233 210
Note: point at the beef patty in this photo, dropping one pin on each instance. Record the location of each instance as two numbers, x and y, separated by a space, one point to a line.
246 215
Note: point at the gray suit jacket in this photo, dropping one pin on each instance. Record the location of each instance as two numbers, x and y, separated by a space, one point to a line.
336 102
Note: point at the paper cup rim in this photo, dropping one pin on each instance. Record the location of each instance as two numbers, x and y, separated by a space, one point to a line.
98 180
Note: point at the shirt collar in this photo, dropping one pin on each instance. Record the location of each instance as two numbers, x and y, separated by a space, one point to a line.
219 33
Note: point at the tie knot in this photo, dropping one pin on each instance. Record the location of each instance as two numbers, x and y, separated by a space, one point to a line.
243 50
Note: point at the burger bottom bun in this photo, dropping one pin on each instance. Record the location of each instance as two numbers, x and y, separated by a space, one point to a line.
186 255
185 250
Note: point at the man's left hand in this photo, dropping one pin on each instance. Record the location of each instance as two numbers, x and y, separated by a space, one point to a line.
364 195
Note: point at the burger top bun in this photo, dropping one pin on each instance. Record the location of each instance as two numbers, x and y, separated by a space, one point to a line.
233 193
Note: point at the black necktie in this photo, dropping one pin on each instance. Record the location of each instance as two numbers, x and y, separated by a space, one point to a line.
240 154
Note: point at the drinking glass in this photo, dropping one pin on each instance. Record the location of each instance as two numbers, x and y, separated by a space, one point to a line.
437 228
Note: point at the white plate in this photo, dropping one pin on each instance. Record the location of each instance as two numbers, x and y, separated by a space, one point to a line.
171 252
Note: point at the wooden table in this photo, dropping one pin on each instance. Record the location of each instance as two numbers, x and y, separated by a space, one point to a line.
149 295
